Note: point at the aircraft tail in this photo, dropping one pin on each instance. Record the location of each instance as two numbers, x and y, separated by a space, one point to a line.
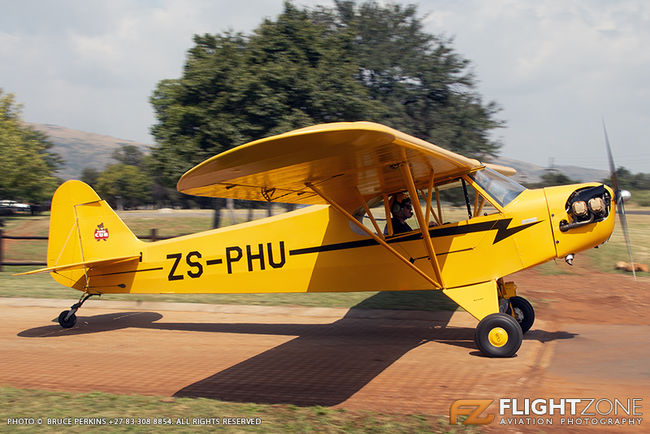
85 232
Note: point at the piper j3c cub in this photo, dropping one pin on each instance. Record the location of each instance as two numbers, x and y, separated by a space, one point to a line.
337 245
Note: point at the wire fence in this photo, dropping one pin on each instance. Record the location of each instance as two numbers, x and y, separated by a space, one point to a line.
153 236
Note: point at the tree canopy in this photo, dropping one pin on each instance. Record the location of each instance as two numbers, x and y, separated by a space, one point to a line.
349 62
626 179
129 154
552 178
26 161
126 184
424 87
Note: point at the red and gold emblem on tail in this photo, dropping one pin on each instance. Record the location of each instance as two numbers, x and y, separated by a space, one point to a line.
101 233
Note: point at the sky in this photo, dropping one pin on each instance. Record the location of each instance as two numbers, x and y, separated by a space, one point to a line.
556 68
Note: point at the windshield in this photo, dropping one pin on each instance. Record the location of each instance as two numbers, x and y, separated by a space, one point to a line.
499 187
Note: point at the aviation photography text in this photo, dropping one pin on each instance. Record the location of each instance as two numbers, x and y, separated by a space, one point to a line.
548 411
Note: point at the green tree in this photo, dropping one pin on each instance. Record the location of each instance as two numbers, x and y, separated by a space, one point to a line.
90 175
641 181
630 181
347 63
129 154
426 87
624 177
289 74
552 178
124 186
26 161
127 184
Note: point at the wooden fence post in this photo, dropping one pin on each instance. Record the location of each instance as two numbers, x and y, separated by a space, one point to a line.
153 235
1 248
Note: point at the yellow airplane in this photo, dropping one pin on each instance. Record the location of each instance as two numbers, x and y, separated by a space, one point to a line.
345 171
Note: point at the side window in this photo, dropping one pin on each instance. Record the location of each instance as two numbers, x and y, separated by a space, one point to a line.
450 202
455 201
377 209
459 200
484 207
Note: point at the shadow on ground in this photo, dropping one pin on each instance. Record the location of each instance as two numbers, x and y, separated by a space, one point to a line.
324 365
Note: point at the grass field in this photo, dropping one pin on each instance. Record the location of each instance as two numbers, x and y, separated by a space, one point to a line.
42 286
132 413
640 198
605 257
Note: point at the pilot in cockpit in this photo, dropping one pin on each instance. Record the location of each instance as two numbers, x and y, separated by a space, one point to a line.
401 209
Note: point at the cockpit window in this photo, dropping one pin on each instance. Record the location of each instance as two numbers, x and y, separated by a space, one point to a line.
500 188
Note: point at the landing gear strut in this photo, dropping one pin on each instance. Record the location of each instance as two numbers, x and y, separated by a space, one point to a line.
522 311
517 307
500 334
67 318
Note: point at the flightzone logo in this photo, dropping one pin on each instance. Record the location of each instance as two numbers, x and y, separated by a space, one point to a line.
472 408
549 411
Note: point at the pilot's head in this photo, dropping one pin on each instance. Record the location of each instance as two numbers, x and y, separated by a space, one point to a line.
401 206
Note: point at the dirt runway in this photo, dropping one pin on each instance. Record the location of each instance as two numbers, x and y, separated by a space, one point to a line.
387 361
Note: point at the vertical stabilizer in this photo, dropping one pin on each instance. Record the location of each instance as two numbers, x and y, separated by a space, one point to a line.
84 228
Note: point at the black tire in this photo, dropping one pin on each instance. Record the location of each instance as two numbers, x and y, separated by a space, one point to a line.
70 321
498 335
524 312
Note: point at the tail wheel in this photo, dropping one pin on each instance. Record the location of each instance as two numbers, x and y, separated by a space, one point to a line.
67 321
523 312
498 335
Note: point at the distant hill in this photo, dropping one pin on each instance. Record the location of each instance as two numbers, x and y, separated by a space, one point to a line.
80 149
528 173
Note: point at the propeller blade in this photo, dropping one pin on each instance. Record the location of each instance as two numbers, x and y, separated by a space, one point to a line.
612 167
620 209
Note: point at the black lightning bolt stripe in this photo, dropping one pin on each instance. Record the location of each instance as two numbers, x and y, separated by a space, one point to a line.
501 226
504 231
338 246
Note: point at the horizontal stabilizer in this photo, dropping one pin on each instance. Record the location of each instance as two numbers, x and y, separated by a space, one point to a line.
81 265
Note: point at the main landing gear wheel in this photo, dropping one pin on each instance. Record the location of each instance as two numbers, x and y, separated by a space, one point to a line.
498 335
67 320
523 312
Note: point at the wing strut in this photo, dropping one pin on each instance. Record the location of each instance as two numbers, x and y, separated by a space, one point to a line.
365 207
424 226
389 221
374 236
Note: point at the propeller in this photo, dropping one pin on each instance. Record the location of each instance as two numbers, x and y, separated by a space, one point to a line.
620 196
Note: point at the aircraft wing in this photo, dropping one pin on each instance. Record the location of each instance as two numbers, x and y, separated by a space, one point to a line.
333 157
